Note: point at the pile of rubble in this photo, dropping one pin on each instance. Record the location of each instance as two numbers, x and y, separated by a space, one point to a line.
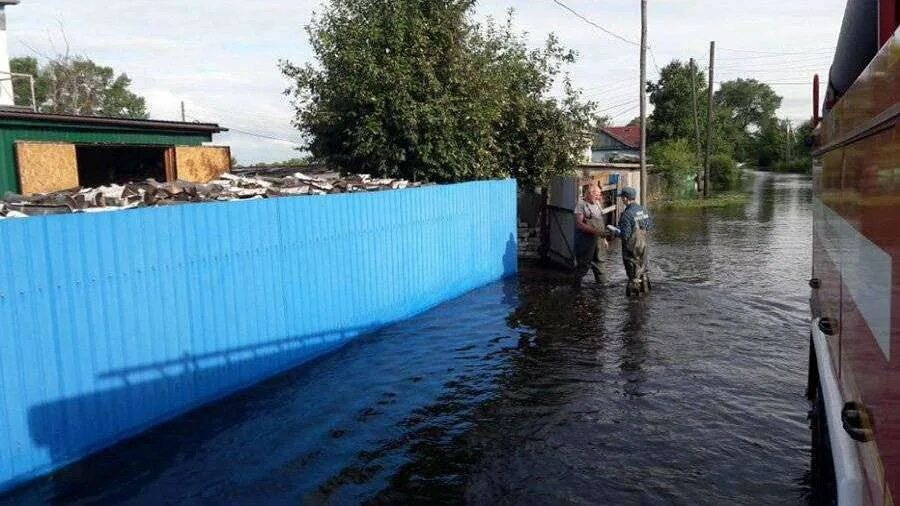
152 193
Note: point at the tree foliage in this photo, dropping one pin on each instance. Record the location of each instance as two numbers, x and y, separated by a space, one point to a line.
723 173
416 89
746 107
77 85
673 114
749 102
675 161
745 126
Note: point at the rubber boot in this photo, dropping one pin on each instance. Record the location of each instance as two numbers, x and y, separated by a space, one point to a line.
645 284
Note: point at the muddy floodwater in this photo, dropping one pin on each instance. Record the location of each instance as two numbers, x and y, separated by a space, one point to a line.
528 392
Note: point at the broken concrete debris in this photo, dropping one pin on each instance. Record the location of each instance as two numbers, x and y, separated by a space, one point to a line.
151 193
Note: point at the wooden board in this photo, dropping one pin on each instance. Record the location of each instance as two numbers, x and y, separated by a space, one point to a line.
169 161
46 167
201 164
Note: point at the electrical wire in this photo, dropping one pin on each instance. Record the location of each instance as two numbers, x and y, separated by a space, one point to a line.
262 136
255 134
625 112
808 51
653 58
767 57
595 25
779 66
627 102
621 94
242 114
621 85
773 83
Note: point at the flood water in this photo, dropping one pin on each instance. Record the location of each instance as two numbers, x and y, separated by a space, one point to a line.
528 392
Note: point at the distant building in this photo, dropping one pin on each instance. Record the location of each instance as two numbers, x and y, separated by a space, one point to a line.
43 153
616 144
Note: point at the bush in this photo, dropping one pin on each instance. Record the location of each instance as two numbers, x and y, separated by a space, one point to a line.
675 161
799 165
723 173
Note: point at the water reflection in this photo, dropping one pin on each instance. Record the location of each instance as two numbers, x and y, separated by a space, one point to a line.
634 347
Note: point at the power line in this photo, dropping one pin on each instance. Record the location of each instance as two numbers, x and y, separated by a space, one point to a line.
627 102
626 112
595 25
653 58
776 66
808 51
776 83
262 136
255 134
619 95
621 85
816 56
252 128
237 113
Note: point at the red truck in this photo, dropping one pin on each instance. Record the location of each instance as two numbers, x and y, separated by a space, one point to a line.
854 370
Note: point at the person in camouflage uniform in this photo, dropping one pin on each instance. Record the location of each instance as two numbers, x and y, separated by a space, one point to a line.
634 224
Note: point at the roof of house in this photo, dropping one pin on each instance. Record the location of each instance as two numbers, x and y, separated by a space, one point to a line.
100 121
629 135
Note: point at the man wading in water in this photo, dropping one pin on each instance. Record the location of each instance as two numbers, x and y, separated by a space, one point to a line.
590 232
633 226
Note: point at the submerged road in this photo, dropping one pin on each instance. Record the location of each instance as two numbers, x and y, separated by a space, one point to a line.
527 392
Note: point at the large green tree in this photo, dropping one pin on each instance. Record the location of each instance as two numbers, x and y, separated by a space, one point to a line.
750 103
673 114
769 143
747 107
77 85
744 122
416 89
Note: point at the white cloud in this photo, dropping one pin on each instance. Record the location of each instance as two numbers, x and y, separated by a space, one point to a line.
220 56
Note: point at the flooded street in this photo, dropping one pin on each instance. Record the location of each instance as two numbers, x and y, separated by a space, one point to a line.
528 392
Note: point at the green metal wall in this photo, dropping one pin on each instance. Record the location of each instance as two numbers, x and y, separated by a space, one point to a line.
12 131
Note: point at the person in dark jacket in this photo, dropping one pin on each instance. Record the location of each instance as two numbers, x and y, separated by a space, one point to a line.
634 224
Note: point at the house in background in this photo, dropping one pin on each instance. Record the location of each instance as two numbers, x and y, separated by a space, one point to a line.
617 144
44 153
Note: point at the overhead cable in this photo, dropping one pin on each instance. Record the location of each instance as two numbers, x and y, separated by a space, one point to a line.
595 25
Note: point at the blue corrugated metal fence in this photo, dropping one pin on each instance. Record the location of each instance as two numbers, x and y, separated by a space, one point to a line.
113 322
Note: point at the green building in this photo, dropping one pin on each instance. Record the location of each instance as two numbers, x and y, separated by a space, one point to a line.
41 153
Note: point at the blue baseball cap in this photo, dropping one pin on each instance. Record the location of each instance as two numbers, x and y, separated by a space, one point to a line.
628 192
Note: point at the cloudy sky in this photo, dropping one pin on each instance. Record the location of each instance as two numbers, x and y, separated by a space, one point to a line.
220 56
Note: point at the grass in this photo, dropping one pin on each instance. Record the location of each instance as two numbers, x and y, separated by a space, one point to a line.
716 200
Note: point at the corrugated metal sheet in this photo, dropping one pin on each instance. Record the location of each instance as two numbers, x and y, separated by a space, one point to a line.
11 131
110 323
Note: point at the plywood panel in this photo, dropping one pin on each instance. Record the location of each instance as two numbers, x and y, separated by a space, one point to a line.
201 164
46 167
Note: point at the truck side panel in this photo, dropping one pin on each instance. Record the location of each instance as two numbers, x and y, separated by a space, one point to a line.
856 255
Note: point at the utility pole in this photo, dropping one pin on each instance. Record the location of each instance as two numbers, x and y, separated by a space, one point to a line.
696 116
784 152
182 112
790 140
709 118
643 102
